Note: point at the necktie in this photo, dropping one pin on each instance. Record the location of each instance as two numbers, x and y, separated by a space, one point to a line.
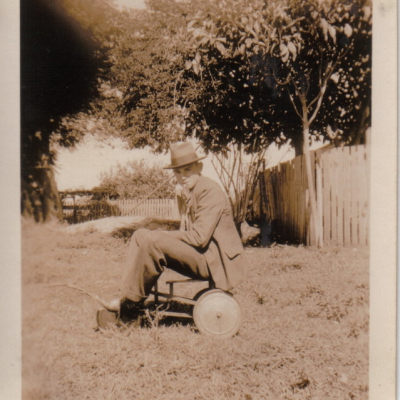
186 195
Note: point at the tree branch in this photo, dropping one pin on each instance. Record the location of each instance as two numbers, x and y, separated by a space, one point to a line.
292 99
212 79
220 175
331 67
319 102
284 82
223 168
176 84
294 22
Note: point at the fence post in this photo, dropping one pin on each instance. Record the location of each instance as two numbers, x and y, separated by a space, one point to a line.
74 212
320 234
264 226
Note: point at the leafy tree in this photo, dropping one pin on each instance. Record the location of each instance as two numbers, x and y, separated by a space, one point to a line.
259 62
282 69
136 180
138 93
147 102
60 61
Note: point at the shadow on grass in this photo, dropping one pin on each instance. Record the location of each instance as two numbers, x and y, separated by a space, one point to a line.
152 224
154 314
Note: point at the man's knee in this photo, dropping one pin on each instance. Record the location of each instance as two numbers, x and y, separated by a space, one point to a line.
157 235
141 236
145 236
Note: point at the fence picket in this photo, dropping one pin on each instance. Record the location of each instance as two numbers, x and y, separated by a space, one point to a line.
366 193
363 205
338 192
303 204
354 198
326 199
347 199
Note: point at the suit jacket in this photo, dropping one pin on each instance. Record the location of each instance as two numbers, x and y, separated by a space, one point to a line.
211 230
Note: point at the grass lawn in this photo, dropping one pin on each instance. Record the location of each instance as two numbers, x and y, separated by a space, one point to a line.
304 336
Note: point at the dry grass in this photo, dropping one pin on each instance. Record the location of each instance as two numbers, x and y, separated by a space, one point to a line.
305 334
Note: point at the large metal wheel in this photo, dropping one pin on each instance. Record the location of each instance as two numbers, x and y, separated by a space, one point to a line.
217 313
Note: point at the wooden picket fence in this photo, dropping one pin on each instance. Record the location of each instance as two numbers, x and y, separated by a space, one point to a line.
342 190
154 208
346 176
82 210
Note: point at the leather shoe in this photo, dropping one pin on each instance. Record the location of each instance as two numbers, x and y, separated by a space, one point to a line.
105 319
130 312
126 313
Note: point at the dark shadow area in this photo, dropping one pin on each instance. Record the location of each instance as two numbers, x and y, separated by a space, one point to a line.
151 224
59 66
157 319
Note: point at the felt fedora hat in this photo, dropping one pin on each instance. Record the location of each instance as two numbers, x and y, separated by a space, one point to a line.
183 154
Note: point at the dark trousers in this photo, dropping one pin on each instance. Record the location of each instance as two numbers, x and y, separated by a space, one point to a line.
148 255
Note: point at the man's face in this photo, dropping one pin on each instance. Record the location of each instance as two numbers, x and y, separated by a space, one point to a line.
188 175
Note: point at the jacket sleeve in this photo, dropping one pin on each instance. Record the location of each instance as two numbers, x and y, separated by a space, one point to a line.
210 205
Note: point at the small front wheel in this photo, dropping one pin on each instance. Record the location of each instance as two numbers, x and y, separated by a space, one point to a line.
217 313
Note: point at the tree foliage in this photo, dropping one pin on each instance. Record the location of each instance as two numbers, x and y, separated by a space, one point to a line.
137 94
59 64
235 71
268 68
136 180
61 59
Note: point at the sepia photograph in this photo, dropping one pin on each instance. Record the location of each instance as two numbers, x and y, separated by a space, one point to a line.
197 209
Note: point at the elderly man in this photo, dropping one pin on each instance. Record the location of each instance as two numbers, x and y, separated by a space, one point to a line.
207 246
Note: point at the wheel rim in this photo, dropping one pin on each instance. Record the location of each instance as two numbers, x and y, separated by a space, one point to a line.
217 313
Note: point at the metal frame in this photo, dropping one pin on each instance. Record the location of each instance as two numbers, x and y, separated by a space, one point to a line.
172 296
215 312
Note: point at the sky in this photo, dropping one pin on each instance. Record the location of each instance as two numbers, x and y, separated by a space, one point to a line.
80 168
139 4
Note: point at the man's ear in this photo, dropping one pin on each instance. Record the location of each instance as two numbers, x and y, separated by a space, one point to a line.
200 166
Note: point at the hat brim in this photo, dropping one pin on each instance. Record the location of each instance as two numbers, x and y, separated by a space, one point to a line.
182 165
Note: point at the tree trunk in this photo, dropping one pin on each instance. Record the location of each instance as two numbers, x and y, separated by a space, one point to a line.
311 186
359 131
297 144
39 195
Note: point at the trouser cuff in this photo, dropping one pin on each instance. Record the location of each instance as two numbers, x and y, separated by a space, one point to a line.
136 298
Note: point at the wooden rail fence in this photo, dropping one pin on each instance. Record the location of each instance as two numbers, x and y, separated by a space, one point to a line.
342 182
